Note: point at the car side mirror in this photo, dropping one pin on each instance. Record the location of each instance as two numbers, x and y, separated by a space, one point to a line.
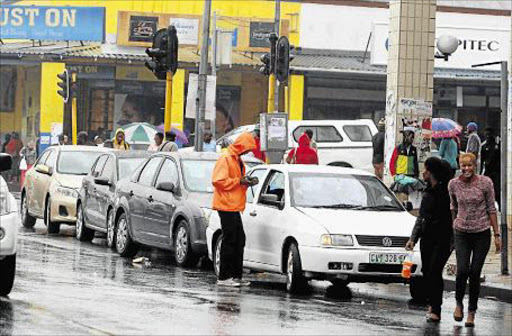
408 206
44 169
272 199
166 186
5 162
102 180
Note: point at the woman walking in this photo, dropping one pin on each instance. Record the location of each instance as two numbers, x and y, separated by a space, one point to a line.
473 213
29 154
448 151
303 154
434 228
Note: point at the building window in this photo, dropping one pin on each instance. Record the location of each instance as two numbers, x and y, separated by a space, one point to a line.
7 88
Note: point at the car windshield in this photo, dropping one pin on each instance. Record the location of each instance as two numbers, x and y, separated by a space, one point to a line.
341 191
197 175
128 165
75 162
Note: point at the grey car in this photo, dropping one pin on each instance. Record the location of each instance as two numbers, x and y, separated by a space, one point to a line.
166 204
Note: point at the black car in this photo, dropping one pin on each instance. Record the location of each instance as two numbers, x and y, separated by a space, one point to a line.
95 203
167 204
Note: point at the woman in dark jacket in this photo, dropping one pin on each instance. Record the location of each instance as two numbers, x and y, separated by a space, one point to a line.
434 228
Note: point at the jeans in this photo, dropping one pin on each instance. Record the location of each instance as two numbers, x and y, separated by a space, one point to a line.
233 243
471 250
434 255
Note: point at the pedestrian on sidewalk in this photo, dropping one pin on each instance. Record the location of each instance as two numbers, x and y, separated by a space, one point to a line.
473 213
312 142
490 162
434 228
209 144
29 154
158 138
169 145
230 185
448 152
404 160
378 149
303 154
119 141
13 148
474 143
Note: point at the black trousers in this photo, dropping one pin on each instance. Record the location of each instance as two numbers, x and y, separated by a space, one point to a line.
233 243
471 250
434 255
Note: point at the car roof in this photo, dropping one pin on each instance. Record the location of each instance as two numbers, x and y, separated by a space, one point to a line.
297 168
207 156
75 148
130 154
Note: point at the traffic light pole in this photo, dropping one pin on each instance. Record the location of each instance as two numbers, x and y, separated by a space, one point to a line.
74 119
168 102
277 20
271 93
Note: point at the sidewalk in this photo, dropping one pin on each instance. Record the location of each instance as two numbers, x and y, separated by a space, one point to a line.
493 283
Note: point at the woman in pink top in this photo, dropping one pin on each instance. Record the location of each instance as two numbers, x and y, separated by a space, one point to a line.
473 211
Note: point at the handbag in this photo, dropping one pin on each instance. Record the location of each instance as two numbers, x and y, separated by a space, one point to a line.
23 164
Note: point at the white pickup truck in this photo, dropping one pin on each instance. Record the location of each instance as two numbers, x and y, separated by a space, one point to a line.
345 143
9 221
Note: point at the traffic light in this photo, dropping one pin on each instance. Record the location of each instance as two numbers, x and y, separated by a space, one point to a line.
64 84
163 53
283 59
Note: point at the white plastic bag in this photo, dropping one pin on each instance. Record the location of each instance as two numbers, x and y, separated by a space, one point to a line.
23 164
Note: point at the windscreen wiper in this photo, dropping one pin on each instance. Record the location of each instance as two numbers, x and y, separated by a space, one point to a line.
380 207
337 206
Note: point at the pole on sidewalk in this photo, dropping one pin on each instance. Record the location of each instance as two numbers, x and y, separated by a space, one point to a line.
271 93
74 119
214 65
503 185
202 78
168 102
277 20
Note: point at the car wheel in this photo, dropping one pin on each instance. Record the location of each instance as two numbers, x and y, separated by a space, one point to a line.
26 220
52 227
216 255
124 243
182 248
417 289
8 267
295 281
111 229
83 233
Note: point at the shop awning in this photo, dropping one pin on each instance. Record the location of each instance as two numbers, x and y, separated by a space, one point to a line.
355 62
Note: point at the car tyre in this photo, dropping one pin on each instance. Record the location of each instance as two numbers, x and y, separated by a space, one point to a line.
26 220
52 227
8 267
295 281
124 243
216 255
111 229
417 289
83 233
182 248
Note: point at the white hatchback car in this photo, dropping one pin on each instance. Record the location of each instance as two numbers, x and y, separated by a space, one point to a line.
318 222
9 221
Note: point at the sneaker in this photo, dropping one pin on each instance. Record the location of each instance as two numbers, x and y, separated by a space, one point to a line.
228 283
243 283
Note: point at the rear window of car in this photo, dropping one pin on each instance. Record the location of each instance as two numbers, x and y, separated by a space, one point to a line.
358 133
76 163
320 133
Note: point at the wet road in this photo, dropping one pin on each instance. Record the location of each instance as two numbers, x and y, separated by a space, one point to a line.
66 287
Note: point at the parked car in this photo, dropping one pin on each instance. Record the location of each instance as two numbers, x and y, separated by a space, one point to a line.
8 230
319 222
95 205
344 143
51 186
166 204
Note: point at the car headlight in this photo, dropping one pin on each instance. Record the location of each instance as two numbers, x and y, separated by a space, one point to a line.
67 192
337 240
207 213
5 204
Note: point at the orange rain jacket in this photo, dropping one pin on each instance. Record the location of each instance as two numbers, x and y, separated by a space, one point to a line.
229 194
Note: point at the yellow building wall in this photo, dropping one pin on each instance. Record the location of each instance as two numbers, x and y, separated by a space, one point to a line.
11 121
239 8
296 96
52 105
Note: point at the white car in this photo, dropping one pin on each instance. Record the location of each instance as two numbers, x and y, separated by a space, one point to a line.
319 222
8 231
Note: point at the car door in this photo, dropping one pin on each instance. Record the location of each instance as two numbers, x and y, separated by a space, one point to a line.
162 204
247 219
267 222
139 200
103 192
43 182
32 179
90 203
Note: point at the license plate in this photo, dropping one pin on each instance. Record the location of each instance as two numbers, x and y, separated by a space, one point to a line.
387 258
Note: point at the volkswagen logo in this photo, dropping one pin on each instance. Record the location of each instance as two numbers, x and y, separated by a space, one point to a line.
386 241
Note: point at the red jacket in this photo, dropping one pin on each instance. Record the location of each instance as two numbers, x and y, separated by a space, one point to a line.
303 154
257 151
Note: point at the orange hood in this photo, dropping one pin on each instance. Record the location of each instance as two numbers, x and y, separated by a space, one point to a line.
243 144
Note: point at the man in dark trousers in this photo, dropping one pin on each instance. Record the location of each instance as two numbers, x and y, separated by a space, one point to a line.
490 161
230 185
378 149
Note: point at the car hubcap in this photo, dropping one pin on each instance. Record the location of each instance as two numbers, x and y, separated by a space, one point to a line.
217 256
79 222
121 235
181 243
110 229
289 276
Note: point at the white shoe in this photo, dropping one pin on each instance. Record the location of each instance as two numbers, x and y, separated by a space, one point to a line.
243 283
228 283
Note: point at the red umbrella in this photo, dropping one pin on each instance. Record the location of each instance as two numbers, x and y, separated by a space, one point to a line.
445 128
